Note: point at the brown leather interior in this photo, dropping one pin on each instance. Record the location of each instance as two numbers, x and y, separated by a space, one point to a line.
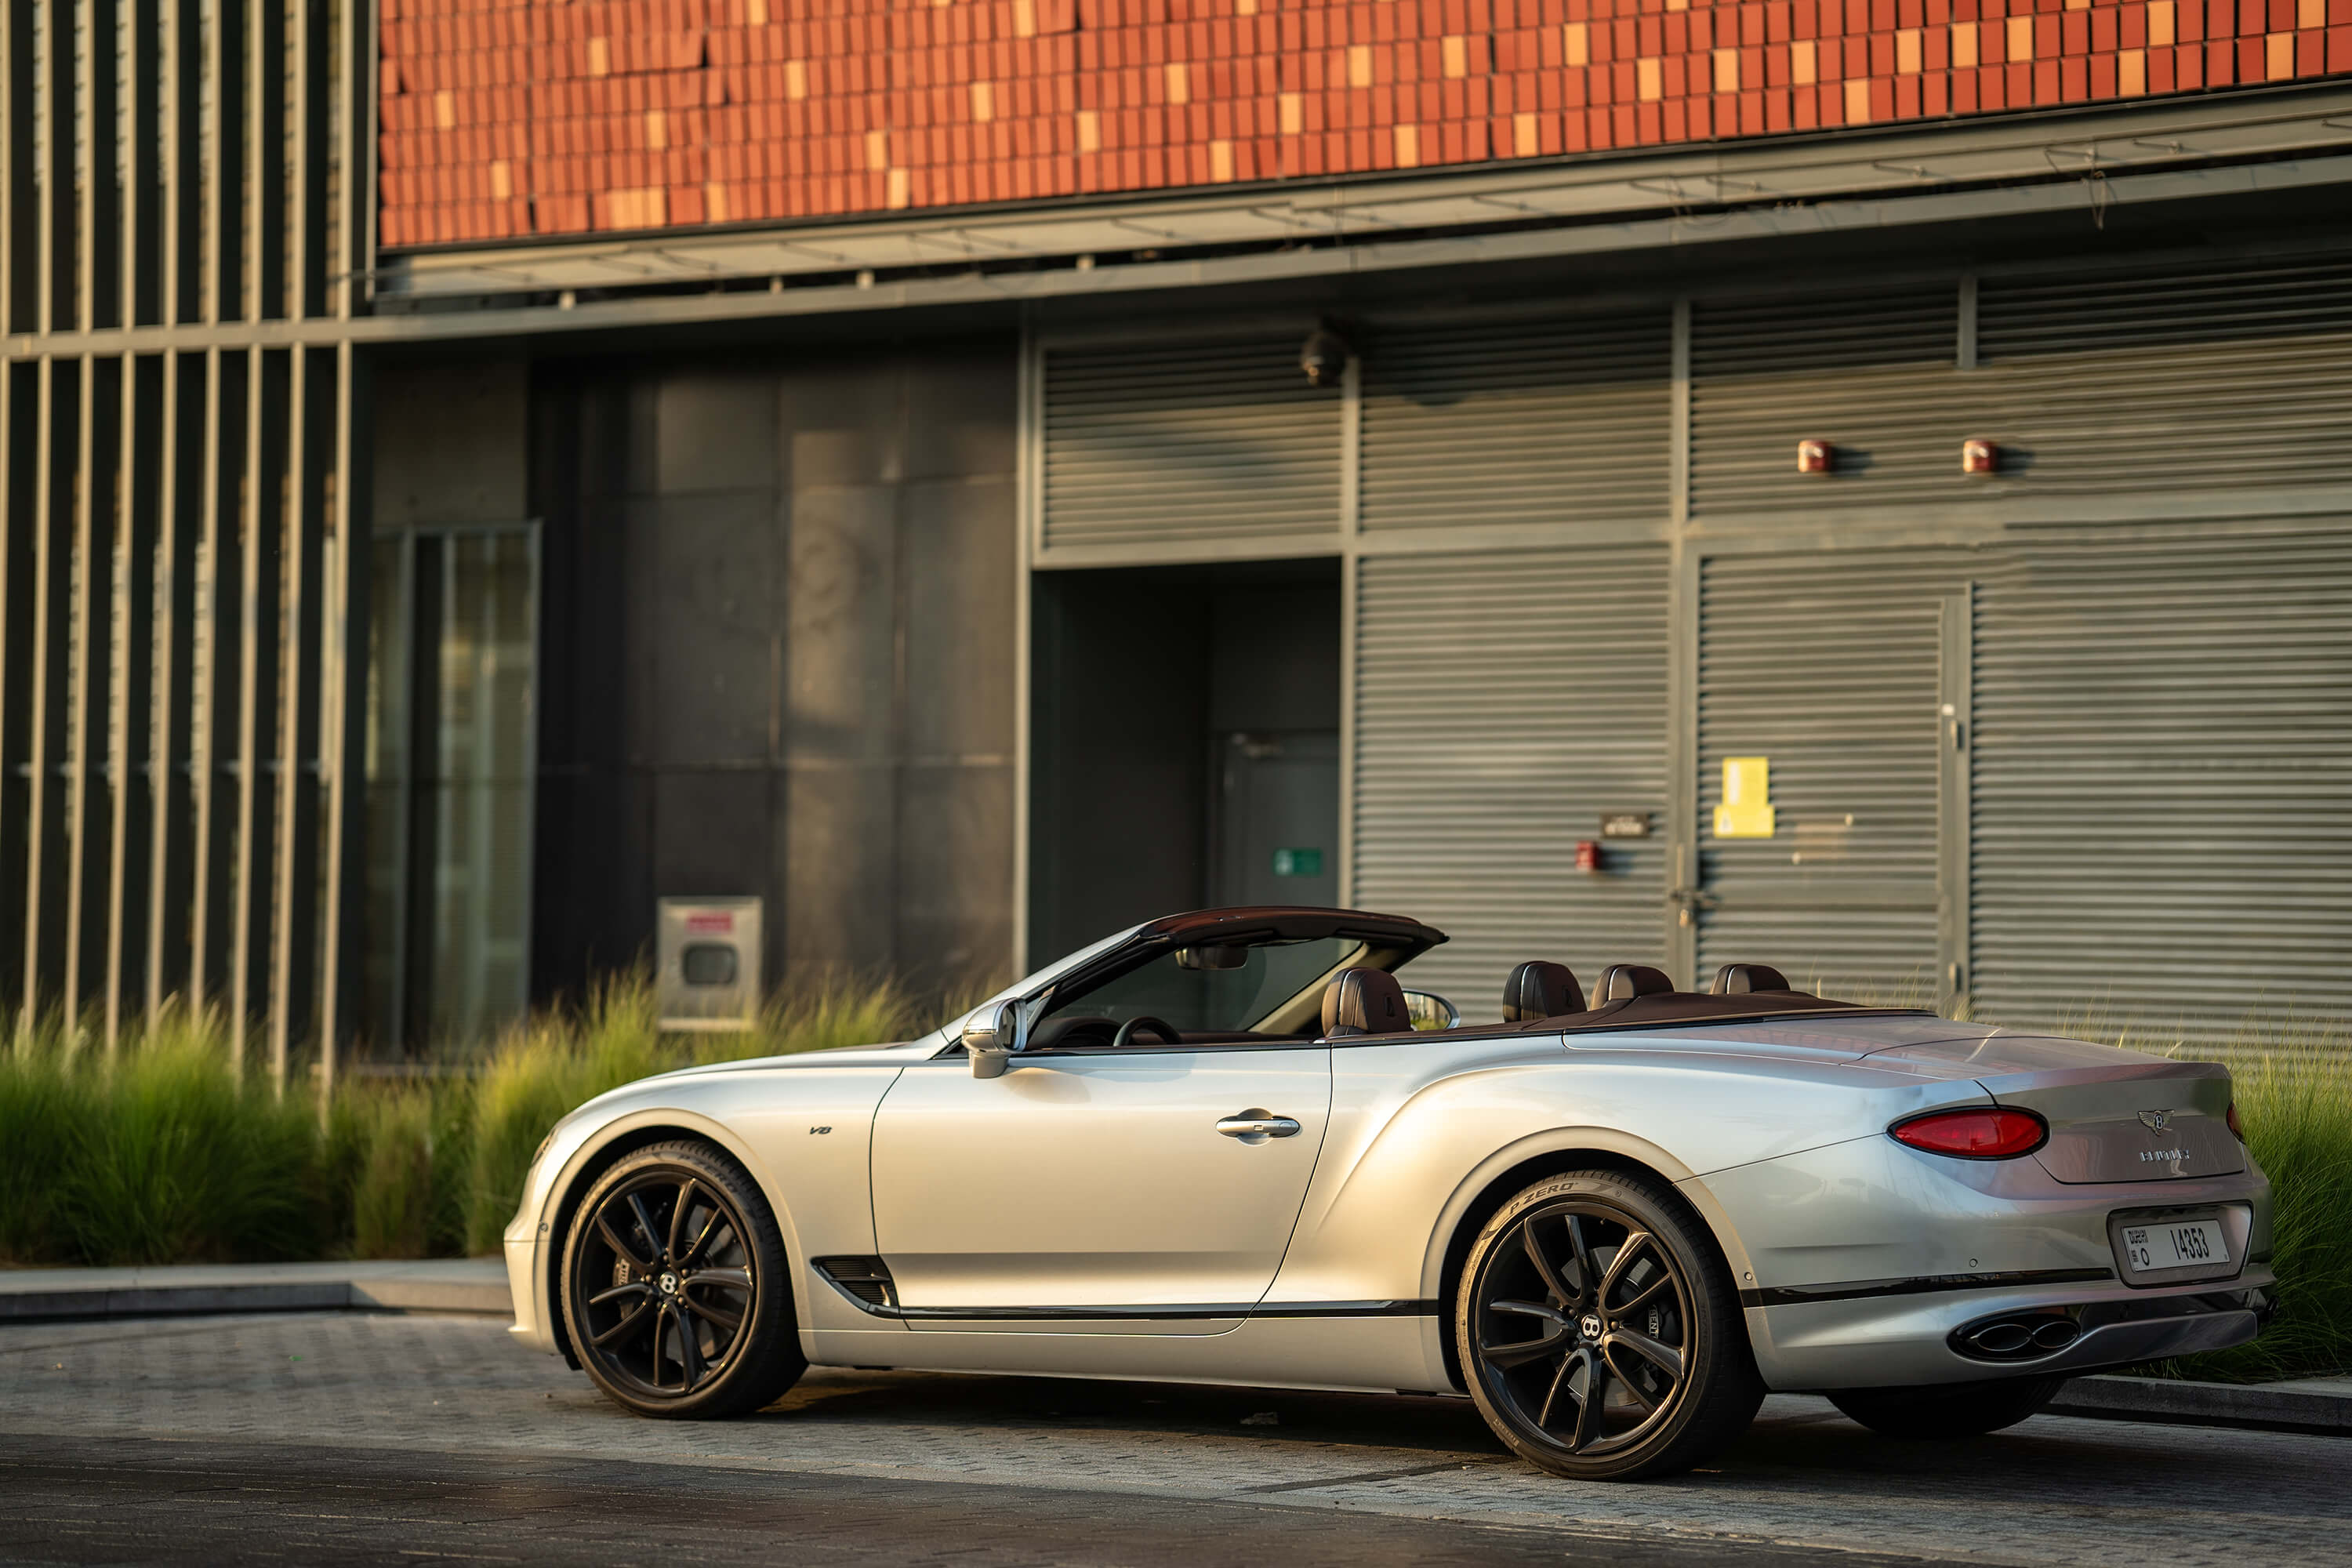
1623 982
1742 979
1364 1001
1540 989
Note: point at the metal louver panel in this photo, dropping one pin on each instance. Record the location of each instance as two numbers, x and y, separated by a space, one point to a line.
2163 768
1873 373
1503 703
2099 384
1830 666
1187 442
1509 422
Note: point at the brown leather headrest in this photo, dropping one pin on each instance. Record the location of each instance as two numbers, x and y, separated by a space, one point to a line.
1623 981
1540 989
1364 1001
1739 979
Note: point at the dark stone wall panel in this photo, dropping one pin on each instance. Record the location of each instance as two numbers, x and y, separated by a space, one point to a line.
782 657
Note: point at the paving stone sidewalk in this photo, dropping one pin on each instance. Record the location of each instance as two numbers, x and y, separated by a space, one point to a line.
2055 1490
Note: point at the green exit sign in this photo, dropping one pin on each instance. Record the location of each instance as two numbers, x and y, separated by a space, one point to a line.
1298 862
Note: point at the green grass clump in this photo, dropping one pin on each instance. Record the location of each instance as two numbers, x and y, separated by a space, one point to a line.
2296 1102
161 1155
160 1151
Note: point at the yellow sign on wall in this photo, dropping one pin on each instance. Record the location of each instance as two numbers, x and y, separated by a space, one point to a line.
1747 809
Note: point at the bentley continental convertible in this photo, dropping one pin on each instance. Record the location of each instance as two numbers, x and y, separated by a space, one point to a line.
1231 1147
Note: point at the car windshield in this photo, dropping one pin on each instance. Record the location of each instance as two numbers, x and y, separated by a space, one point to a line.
1211 1001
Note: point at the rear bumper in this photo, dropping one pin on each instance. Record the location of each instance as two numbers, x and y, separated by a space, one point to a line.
1894 1342
1868 1259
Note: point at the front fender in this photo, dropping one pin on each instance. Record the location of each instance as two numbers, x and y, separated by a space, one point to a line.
804 1134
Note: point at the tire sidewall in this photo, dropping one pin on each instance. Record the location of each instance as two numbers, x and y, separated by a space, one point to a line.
1718 1355
768 1327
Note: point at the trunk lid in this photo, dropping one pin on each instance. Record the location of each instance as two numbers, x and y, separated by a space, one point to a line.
2115 1115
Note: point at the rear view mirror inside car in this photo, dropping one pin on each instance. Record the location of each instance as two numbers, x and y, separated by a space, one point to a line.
1222 957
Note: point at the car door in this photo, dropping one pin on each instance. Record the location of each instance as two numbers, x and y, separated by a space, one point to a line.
1096 1191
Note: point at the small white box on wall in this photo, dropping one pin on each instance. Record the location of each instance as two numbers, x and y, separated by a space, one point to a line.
708 955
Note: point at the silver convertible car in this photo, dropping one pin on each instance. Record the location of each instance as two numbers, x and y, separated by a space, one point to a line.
1217 1148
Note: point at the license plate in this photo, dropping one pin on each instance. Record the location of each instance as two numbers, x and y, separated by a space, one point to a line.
2177 1243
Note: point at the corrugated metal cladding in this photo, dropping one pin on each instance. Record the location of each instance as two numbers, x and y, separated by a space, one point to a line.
1187 443
2102 384
2163 767
1873 373
1503 703
1830 665
1558 421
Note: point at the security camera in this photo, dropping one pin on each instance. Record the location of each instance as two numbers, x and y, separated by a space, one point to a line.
1324 356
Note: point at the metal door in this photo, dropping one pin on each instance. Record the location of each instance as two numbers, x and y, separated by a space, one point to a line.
1278 818
1087 1188
1847 677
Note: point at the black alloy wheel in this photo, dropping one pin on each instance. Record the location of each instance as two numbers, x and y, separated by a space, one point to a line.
1599 1330
674 1287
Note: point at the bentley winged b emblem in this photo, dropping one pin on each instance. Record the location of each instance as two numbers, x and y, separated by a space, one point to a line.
2155 1121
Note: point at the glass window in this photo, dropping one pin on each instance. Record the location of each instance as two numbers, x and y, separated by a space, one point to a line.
450 773
1196 1000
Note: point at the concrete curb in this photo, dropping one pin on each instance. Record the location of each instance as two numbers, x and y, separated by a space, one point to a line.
451 1284
2319 1405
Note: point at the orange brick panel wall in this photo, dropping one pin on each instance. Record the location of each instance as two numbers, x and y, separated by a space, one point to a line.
508 118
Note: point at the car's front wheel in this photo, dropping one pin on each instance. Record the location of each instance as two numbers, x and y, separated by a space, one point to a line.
675 1289
1949 1410
1600 1332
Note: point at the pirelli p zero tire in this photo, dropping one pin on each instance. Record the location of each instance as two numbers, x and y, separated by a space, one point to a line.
1946 1411
675 1287
1600 1332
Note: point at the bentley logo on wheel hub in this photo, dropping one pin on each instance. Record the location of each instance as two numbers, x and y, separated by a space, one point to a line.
1591 1325
669 1284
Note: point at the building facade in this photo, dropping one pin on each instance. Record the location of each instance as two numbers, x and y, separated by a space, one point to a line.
1861 487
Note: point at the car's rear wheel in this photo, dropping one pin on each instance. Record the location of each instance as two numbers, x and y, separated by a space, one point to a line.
674 1288
1600 1332
1949 1410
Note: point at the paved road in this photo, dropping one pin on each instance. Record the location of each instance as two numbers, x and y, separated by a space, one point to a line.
380 1439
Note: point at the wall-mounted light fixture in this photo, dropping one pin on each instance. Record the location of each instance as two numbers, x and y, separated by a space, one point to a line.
1980 457
1324 356
1815 456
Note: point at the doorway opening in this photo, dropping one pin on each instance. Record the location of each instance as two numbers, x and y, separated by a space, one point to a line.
1185 743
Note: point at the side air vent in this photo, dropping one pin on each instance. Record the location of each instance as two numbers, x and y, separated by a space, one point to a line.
866 1279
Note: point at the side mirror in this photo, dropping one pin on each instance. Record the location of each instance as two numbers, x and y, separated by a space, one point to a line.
1428 1010
990 1041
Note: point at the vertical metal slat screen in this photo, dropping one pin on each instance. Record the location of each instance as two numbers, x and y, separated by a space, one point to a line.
1504 702
174 475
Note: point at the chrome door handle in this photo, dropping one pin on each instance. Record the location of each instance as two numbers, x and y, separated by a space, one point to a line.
1257 1126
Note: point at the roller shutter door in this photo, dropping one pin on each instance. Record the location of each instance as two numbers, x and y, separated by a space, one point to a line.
1831 666
1873 372
2154 384
2163 789
1186 444
1518 421
1503 703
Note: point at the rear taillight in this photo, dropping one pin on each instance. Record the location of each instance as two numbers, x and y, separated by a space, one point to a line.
2236 1126
1978 1132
